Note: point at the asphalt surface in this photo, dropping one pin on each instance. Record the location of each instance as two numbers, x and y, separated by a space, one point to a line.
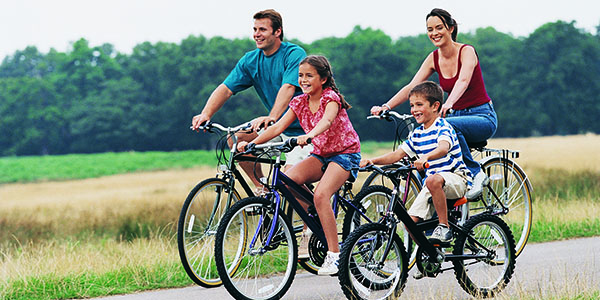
542 270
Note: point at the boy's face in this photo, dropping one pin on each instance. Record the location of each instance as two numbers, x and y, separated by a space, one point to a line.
422 110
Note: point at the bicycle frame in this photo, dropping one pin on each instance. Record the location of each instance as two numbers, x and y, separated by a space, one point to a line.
417 229
283 185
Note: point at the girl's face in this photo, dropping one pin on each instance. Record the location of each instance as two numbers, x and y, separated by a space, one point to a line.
437 32
423 111
309 80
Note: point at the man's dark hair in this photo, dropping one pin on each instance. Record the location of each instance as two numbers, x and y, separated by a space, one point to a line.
275 17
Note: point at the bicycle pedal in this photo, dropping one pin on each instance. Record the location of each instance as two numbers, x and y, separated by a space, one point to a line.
438 244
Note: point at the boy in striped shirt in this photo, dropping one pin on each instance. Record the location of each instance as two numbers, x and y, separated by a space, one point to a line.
433 142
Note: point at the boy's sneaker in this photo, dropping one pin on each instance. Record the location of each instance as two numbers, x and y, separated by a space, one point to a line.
330 266
479 181
303 245
441 234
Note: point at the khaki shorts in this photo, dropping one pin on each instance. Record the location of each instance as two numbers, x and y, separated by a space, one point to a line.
455 186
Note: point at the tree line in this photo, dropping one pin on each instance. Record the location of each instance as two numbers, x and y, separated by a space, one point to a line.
95 99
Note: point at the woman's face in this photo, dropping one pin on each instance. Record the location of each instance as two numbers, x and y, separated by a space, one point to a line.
437 32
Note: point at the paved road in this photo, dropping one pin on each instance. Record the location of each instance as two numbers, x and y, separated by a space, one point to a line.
542 270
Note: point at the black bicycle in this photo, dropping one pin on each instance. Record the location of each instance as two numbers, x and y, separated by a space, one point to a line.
374 263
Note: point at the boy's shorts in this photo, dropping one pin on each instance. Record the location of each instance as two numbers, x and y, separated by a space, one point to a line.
455 186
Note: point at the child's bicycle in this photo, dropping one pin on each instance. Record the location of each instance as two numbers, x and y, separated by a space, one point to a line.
255 247
206 204
508 193
374 264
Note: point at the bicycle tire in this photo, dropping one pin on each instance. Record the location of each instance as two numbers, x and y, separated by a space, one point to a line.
492 232
269 269
353 219
514 190
361 276
197 226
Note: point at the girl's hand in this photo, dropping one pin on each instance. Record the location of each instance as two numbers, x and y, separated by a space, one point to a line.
241 146
365 162
303 140
420 163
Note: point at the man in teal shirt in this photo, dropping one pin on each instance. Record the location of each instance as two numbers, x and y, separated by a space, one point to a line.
272 69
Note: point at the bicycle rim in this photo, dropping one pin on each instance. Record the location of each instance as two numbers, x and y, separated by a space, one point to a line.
365 271
514 190
249 268
489 236
197 226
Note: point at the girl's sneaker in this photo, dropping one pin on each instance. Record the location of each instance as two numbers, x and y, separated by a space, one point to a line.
330 266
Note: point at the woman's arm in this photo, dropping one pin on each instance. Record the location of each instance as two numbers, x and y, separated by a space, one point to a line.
427 68
468 61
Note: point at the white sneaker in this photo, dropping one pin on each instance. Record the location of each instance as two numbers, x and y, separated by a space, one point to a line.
330 266
303 245
479 181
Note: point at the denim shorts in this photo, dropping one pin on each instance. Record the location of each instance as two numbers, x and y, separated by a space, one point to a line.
347 161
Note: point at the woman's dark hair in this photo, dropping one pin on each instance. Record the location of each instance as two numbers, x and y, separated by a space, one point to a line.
321 64
446 19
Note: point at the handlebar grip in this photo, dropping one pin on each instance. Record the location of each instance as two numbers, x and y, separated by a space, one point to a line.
426 165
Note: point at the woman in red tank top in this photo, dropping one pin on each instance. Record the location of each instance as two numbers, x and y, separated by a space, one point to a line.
468 107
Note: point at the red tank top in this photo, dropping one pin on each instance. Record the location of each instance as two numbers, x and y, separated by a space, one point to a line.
474 95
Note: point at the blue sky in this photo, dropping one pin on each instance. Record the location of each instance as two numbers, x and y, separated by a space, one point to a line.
125 23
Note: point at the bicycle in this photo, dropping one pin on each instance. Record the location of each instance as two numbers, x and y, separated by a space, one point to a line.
255 247
205 205
507 194
373 262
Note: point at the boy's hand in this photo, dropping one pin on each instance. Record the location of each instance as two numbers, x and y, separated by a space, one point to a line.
365 162
241 146
420 163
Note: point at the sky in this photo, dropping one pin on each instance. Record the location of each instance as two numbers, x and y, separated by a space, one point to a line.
57 24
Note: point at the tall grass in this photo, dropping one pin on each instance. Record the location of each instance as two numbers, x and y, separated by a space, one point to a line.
115 234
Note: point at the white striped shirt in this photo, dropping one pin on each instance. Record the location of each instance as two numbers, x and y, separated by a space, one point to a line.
422 141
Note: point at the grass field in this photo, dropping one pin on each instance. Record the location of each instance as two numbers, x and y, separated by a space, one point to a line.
115 234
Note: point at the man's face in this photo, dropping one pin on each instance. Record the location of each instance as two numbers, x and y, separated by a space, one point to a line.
264 36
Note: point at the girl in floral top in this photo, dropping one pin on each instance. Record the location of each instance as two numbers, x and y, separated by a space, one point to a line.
321 111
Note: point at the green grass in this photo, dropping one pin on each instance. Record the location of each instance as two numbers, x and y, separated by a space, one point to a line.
85 285
78 166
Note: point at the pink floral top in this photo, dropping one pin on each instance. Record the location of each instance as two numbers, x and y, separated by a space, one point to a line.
339 138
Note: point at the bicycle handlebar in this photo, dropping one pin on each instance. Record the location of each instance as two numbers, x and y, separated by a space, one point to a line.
208 126
285 146
387 114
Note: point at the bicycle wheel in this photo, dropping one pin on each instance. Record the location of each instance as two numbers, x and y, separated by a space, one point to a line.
365 271
490 237
197 226
373 197
513 188
252 263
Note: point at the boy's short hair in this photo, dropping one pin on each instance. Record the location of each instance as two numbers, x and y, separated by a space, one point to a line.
430 91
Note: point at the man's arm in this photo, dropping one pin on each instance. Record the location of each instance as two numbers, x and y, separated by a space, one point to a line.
282 101
214 103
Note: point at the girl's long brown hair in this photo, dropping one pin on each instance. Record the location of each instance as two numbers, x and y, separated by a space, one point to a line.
321 64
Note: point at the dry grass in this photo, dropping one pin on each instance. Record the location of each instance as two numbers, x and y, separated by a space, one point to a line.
573 153
41 223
